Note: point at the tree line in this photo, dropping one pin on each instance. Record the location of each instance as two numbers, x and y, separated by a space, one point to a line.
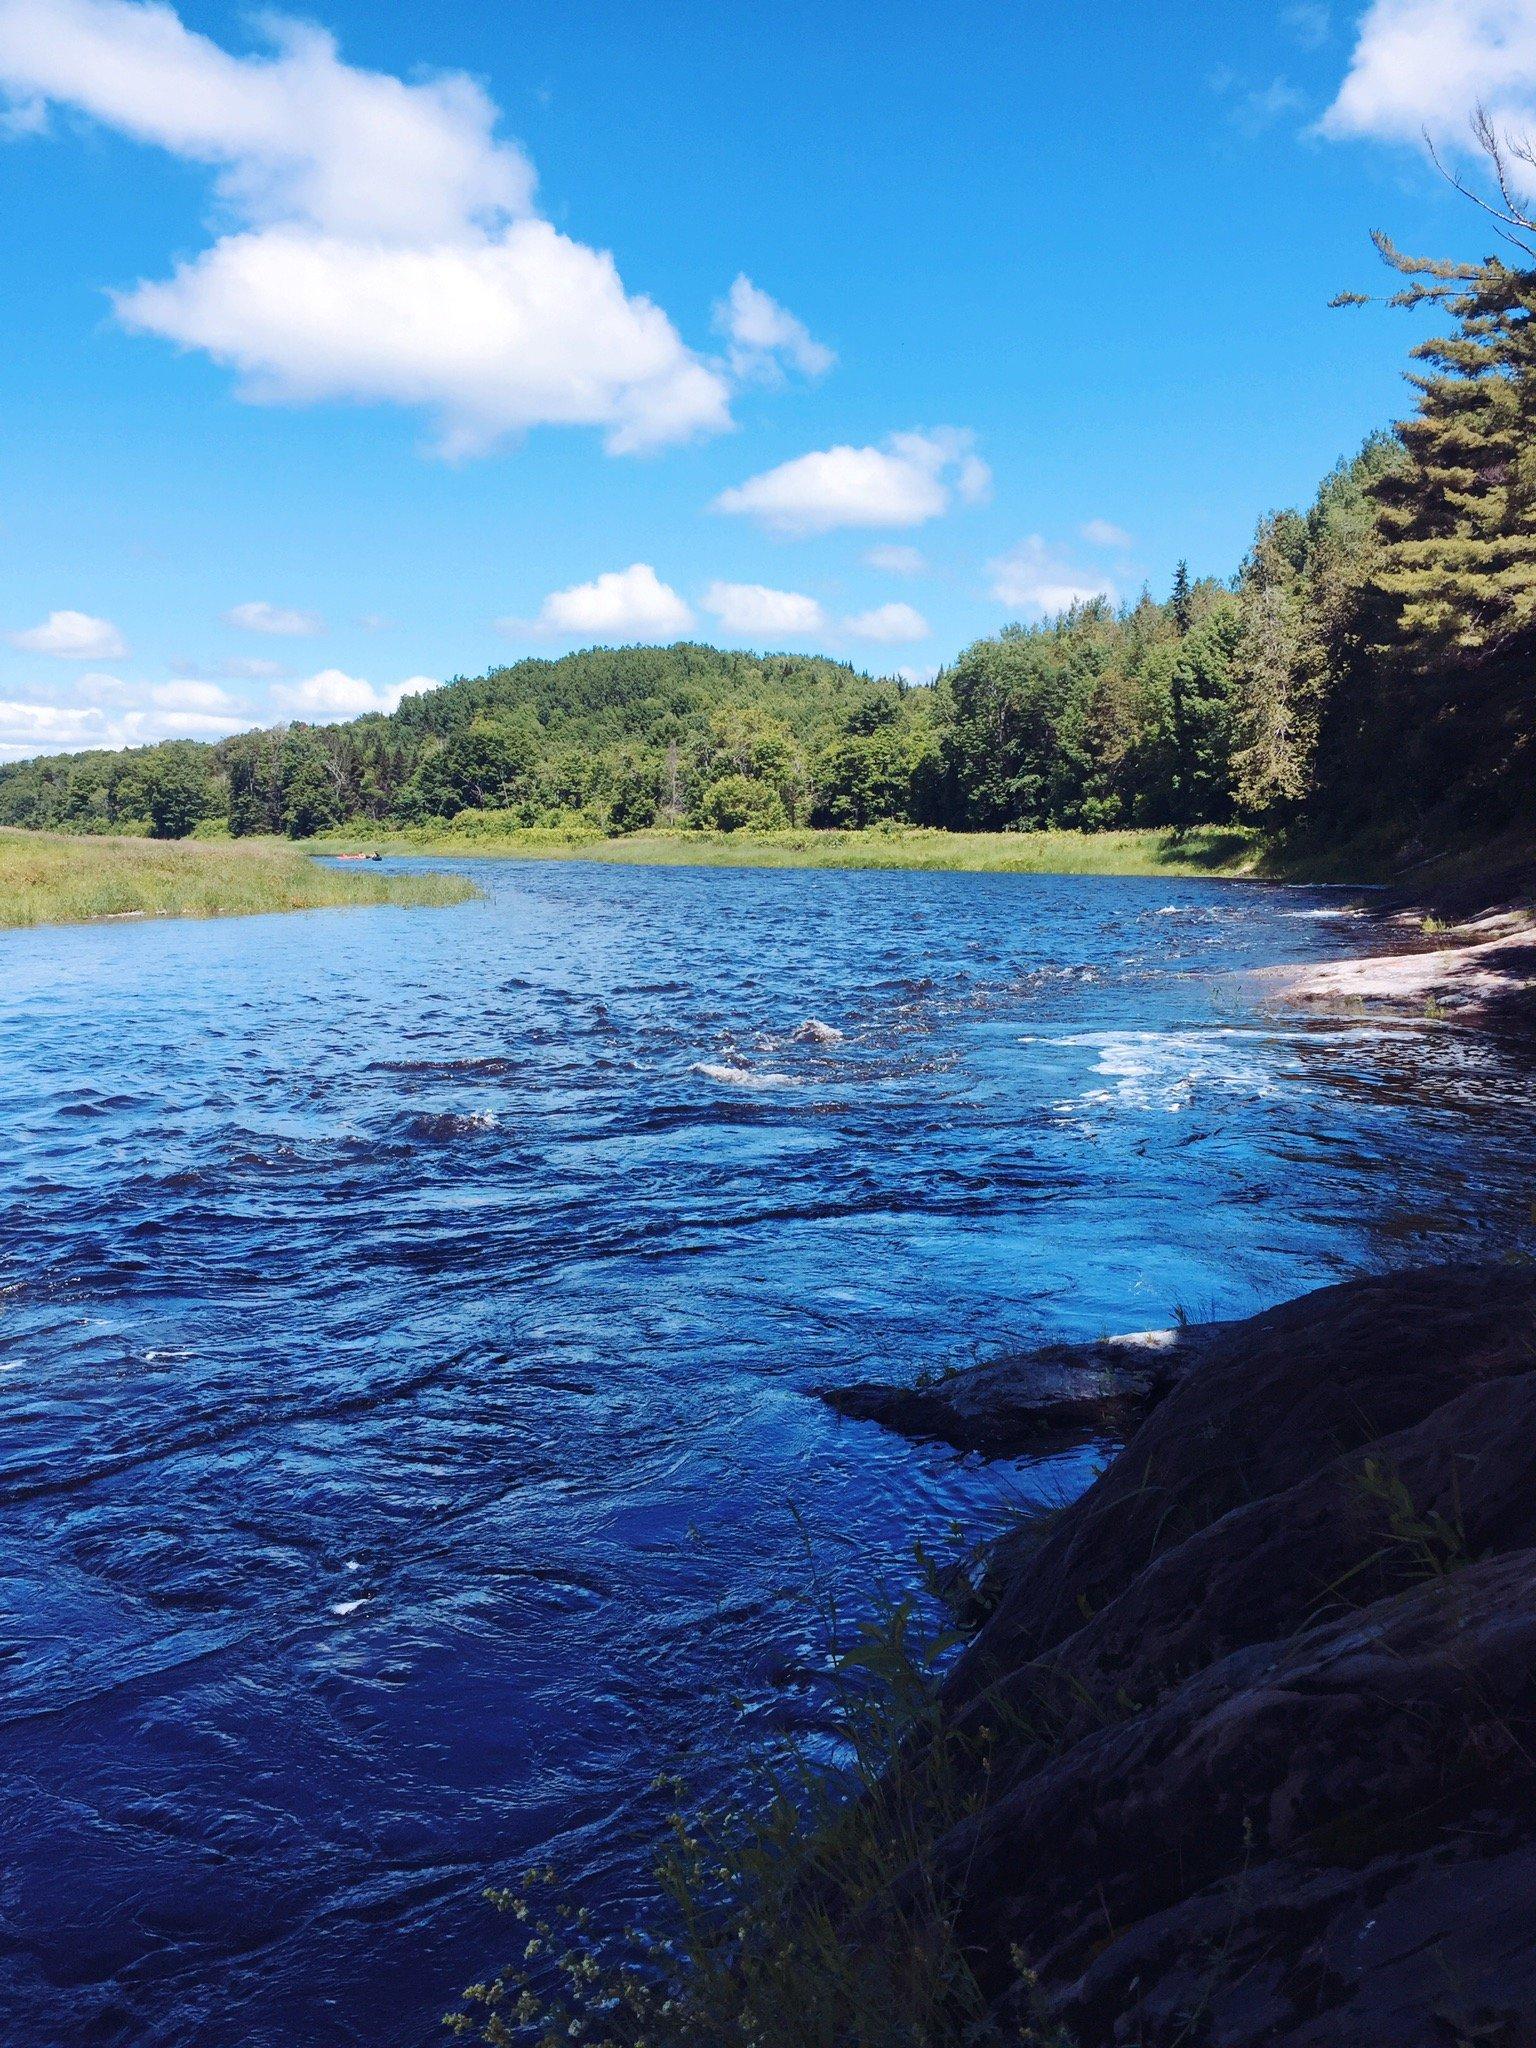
1371 664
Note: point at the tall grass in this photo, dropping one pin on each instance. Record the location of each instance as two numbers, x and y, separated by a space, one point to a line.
1204 850
50 878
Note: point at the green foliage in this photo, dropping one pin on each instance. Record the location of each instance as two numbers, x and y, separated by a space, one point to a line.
1370 669
48 878
177 791
735 801
806 1912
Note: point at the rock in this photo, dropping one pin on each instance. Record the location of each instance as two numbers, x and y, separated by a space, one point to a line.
1261 1704
1018 1403
814 1032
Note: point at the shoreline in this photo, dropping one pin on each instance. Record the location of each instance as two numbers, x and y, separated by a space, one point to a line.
1216 853
1474 970
1299 1587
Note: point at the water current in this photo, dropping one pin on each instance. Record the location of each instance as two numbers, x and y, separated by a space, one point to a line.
408 1323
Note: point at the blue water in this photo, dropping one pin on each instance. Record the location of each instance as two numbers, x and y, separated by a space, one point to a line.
407 1320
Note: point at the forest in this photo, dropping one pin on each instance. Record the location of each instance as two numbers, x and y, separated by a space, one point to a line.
1368 668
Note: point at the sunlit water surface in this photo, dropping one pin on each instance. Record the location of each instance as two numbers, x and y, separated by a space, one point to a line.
408 1323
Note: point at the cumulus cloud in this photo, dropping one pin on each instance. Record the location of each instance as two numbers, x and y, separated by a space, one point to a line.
120 716
1034 577
261 617
897 559
763 336
72 636
332 694
203 699
754 609
621 604
909 480
1421 64
42 728
385 245
888 622
496 334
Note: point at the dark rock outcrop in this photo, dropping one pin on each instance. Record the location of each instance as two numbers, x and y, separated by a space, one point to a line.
1025 1400
1261 1705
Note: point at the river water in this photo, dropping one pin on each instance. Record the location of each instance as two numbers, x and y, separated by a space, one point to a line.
407 1320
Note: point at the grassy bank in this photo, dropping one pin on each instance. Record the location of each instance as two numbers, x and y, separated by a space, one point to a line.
50 878
1208 850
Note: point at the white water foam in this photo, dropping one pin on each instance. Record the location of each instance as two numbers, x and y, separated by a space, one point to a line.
742 1077
1164 1070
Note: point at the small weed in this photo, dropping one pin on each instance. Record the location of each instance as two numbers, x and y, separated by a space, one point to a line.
1433 1545
811 1912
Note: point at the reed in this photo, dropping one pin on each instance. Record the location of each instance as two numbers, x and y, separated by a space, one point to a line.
52 878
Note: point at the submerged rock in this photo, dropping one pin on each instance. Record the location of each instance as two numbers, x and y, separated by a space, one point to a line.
1261 1704
1019 1402
814 1032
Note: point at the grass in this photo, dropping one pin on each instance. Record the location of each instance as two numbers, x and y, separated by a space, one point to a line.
51 878
1207 850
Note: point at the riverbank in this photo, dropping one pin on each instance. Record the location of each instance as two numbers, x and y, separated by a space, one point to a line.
1203 850
52 878
1251 1723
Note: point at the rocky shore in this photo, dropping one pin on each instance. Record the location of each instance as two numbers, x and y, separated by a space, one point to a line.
1259 1709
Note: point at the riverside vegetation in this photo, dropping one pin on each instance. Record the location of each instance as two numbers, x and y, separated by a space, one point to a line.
51 878
1167 1795
1364 679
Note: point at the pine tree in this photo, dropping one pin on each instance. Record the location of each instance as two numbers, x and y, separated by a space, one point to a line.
1181 603
1458 519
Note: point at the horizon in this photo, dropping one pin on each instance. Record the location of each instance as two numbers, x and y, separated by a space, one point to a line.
296 431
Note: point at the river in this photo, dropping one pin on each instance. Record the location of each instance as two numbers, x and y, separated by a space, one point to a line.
407 1323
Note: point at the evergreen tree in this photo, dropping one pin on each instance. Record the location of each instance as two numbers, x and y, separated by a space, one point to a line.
1181 603
1458 518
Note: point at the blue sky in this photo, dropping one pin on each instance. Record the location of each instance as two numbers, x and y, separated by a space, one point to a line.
338 366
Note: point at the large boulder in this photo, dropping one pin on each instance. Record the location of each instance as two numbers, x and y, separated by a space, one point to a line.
1260 1707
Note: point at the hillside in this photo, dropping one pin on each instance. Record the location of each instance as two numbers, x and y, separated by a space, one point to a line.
1363 680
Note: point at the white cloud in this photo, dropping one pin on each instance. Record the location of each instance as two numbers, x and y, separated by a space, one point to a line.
897 559
387 248
72 636
102 689
204 699
332 694
918 678
763 336
261 617
889 622
1421 64
39 728
27 729
1034 577
1103 533
754 609
623 604
912 478
496 334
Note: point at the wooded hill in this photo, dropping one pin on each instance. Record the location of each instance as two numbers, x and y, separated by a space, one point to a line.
1370 668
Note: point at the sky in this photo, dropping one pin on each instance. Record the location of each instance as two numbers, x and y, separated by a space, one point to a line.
353 349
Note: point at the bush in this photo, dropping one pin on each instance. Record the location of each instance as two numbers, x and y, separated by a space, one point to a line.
734 804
